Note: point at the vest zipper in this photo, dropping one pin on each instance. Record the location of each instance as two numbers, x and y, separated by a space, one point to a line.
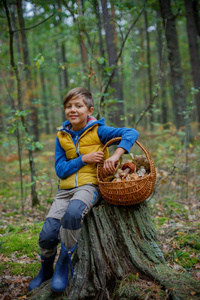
78 154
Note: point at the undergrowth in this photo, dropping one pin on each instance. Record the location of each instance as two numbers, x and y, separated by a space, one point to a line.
174 207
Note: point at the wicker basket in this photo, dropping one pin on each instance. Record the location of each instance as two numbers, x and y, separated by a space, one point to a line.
131 191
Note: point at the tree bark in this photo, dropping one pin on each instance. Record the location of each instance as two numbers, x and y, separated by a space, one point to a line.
164 103
194 53
143 82
195 6
83 49
16 35
64 60
60 77
45 103
112 59
101 45
114 243
149 72
179 96
61 59
99 25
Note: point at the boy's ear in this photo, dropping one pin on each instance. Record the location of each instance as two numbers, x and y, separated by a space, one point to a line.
90 111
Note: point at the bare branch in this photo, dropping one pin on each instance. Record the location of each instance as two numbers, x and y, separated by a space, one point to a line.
28 28
174 167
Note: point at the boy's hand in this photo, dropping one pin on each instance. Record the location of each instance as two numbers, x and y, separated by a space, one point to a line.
111 163
93 157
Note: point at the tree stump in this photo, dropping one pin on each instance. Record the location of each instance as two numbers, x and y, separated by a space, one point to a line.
119 243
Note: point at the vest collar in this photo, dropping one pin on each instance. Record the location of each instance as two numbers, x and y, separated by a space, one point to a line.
91 122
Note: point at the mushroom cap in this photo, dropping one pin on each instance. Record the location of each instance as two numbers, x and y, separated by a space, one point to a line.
129 165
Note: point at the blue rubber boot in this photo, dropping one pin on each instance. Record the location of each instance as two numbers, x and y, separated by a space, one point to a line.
60 277
46 272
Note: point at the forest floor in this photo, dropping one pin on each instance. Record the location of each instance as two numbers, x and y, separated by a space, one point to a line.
175 209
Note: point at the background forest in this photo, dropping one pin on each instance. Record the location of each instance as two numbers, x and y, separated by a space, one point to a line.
141 61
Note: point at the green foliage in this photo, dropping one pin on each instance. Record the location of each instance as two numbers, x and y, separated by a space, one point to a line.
161 220
19 244
39 60
24 269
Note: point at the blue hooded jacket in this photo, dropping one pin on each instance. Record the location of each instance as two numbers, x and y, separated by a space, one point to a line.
65 167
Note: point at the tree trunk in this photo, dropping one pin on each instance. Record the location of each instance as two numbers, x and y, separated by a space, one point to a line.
64 60
45 103
112 59
149 69
143 82
99 25
194 53
116 242
60 78
101 45
195 6
27 63
35 200
83 49
164 103
16 35
179 96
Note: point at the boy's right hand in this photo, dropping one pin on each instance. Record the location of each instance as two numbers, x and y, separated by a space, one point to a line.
93 157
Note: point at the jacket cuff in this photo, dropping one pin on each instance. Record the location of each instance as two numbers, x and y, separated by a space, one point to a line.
126 145
83 163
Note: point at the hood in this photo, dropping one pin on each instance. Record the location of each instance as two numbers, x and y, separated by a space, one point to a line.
66 125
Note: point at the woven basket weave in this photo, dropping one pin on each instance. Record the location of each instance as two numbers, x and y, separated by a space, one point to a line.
131 191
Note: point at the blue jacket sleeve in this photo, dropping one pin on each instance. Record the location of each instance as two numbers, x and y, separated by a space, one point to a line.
64 167
128 135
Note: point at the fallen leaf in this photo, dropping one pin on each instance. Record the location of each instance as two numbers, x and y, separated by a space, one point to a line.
177 267
197 266
192 293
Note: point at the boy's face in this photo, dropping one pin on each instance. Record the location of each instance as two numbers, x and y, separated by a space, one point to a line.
77 112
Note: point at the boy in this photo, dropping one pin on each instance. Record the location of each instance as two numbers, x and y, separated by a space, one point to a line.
78 149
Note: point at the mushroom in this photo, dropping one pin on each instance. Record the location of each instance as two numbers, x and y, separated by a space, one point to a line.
128 167
140 160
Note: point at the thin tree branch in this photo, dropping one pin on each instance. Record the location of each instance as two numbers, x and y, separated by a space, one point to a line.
8 92
118 57
36 25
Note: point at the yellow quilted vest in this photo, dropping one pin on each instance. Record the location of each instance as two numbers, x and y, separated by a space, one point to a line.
88 142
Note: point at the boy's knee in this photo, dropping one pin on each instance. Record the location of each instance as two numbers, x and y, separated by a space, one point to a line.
48 238
73 215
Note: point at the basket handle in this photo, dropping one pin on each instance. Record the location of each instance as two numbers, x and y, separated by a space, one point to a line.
151 163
